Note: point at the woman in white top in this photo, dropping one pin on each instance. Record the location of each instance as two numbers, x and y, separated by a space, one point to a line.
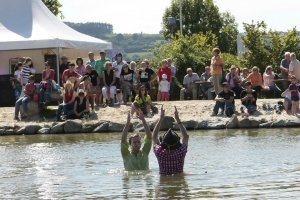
268 78
17 75
117 67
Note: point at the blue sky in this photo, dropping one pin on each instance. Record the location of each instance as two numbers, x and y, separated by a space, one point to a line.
136 16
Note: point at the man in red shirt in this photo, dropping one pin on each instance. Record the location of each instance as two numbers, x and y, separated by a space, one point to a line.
164 69
71 75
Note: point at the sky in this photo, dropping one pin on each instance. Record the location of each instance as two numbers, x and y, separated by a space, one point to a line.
136 16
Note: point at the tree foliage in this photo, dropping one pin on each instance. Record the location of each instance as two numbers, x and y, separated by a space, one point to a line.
202 16
54 6
95 29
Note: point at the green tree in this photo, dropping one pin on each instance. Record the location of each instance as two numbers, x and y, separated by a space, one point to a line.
54 6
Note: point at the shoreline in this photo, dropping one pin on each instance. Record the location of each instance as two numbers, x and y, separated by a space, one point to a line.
194 114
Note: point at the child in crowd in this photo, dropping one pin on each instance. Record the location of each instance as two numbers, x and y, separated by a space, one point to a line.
17 75
164 88
294 95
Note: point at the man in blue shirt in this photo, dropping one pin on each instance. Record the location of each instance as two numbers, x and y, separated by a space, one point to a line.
92 60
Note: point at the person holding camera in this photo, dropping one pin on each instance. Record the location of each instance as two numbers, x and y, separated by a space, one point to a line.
248 98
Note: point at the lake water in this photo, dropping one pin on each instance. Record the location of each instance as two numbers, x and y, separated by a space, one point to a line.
239 164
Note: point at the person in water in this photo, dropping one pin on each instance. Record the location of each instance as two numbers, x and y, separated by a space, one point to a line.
169 151
136 158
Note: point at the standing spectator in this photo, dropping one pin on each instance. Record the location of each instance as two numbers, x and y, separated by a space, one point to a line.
204 77
164 88
32 70
109 87
168 149
145 76
133 68
71 75
224 100
189 84
91 60
217 65
248 98
284 66
293 88
294 67
268 82
68 101
80 69
63 66
127 82
28 94
99 67
47 78
256 79
117 67
164 69
17 75
95 79
209 91
25 71
233 79
173 78
81 106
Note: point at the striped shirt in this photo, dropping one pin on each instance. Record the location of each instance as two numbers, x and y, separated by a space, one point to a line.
170 163
25 73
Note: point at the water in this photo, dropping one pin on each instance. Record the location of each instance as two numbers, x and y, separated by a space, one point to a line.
238 164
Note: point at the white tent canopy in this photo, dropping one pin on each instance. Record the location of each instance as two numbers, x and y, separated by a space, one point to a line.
28 24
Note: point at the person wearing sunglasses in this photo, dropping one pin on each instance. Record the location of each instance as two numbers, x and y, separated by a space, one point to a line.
47 77
255 78
224 100
71 75
127 81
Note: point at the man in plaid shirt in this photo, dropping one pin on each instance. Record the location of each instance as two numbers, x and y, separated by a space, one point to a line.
169 151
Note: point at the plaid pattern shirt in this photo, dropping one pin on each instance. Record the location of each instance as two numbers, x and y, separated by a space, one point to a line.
170 163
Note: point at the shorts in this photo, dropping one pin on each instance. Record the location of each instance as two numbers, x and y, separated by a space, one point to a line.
289 102
147 86
117 83
295 98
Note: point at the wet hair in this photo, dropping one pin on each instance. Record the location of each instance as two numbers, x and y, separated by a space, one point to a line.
79 59
140 91
133 136
19 64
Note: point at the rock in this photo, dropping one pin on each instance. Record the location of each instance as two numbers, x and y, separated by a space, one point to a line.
44 131
2 131
89 127
9 132
73 126
168 122
58 128
266 125
248 123
202 125
21 131
216 125
263 120
280 123
116 127
32 108
32 129
233 122
102 128
190 124
55 96
293 123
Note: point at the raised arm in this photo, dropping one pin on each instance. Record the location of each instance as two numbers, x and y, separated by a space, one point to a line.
126 128
146 127
185 136
157 126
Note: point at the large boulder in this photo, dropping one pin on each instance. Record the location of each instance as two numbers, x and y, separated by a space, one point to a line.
102 128
280 123
168 122
89 127
266 125
2 131
44 131
202 125
32 108
58 128
32 129
9 132
116 127
248 123
73 126
21 131
293 123
216 125
233 122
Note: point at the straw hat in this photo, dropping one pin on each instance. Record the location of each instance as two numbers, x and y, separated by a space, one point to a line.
81 91
68 83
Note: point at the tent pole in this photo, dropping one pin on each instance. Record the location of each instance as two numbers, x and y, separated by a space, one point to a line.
57 65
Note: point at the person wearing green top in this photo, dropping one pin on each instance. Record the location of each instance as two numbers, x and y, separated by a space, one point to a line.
99 65
137 157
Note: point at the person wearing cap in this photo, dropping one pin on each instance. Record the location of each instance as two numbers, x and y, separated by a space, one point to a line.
217 65
99 67
63 66
248 98
87 86
234 79
173 77
91 61
224 100
293 88
81 106
95 79
268 78
164 88
189 84
71 75
168 149
164 69
68 101
137 158
28 94
126 79
117 67
205 77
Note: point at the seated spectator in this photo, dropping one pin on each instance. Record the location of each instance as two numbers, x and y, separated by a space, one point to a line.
109 79
28 94
224 100
209 91
189 84
146 76
245 74
234 79
46 84
127 82
255 78
142 101
204 77
81 106
248 98
17 76
80 69
95 79
71 75
68 95
293 88
268 82
87 87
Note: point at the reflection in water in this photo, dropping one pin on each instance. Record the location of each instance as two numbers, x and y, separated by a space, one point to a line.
241 164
